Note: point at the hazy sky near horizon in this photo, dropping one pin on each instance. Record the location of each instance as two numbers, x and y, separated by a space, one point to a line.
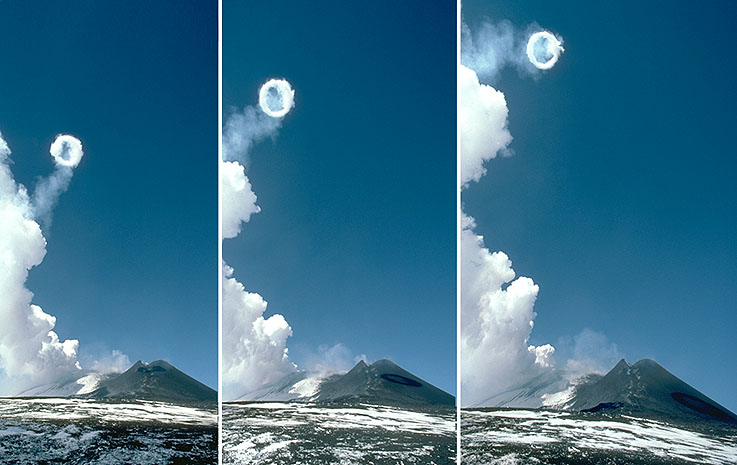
131 259
355 243
620 200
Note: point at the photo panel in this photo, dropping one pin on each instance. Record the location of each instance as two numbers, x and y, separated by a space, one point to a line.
338 190
596 247
108 232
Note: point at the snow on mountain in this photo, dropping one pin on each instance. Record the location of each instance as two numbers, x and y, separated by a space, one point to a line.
300 385
548 389
84 384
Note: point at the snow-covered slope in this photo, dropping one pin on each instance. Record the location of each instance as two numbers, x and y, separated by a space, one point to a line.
300 385
548 389
84 384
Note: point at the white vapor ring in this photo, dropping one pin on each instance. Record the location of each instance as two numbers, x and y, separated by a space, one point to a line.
277 105
546 43
66 150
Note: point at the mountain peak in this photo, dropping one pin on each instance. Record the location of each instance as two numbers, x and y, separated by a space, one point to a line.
622 364
382 382
646 363
157 365
384 362
158 380
645 386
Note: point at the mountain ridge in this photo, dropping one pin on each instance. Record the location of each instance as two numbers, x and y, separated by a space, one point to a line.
382 382
158 381
642 387
645 386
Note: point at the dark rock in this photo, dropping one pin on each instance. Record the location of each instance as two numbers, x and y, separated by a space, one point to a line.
157 380
647 387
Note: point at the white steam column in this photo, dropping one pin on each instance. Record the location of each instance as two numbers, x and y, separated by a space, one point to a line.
254 347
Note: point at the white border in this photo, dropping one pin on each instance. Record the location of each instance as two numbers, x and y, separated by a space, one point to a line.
220 234
458 240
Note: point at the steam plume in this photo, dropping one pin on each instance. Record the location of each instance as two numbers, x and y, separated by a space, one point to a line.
483 121
31 353
337 358
494 46
67 152
244 129
254 347
497 315
239 201
497 319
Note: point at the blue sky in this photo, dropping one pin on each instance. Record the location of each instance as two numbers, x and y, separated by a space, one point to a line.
355 243
620 200
131 259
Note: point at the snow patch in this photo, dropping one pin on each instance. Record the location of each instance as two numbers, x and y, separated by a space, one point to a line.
558 399
89 383
307 387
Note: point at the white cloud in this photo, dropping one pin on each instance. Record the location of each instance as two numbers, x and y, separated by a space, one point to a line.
240 132
114 362
244 129
490 49
497 315
239 200
483 125
494 46
497 319
337 358
254 347
31 353
497 309
592 353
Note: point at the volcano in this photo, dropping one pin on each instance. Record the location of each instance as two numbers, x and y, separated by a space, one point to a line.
383 383
645 387
157 380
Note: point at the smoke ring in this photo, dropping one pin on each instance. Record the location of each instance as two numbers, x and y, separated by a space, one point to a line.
543 49
276 97
66 150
